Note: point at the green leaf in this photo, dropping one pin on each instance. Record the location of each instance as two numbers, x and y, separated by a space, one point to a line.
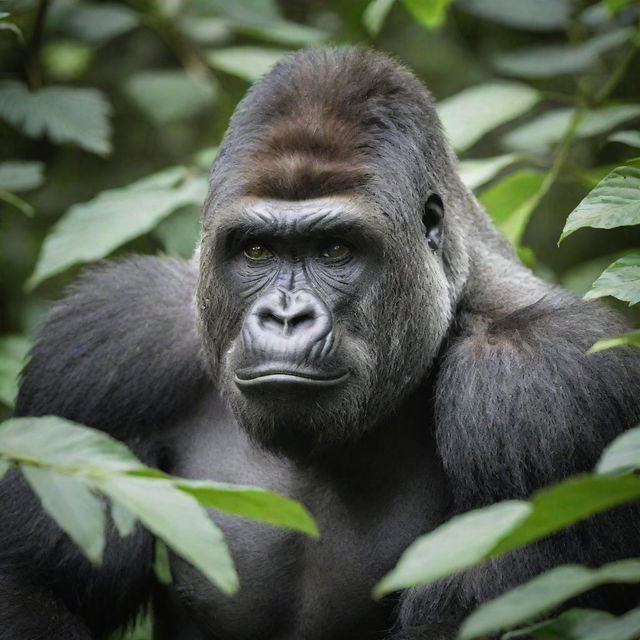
71 504
17 175
251 502
99 23
476 173
551 126
4 467
621 279
579 278
541 15
473 112
542 594
629 339
179 232
166 95
279 31
17 202
65 445
67 59
64 114
92 230
631 137
462 542
615 6
13 352
248 63
623 454
626 627
178 520
124 520
574 624
375 14
511 202
614 202
553 60
429 13
162 563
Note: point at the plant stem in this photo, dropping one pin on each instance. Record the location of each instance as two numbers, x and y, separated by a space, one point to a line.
32 61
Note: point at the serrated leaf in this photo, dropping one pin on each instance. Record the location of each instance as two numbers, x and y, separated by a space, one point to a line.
476 173
542 594
512 201
551 126
631 137
178 520
60 443
456 545
429 13
574 624
627 340
71 504
621 279
165 95
251 502
99 23
375 14
473 112
17 175
13 352
248 63
623 454
541 15
64 114
124 520
553 60
92 230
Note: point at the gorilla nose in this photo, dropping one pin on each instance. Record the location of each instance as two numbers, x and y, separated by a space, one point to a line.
293 314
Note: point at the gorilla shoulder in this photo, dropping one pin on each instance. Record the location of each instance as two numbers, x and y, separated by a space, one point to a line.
111 352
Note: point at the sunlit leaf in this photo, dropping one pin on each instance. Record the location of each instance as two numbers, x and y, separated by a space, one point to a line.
631 137
470 114
375 14
620 280
67 59
627 340
99 22
71 504
614 202
615 6
429 13
13 352
248 63
540 15
553 60
124 519
623 454
18 175
168 95
475 173
542 594
551 126
91 230
511 202
458 544
64 114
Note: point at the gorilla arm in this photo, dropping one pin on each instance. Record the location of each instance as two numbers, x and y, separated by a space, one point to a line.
108 355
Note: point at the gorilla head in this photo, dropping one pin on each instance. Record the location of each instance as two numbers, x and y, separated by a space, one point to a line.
327 271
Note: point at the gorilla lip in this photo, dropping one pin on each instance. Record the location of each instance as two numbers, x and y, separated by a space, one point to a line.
252 378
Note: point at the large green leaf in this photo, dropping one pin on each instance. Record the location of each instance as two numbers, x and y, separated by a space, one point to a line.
64 114
574 624
628 339
541 15
375 14
631 138
99 23
429 13
462 542
13 351
551 126
470 114
621 279
168 95
512 201
553 60
542 594
248 63
69 501
475 173
614 202
92 230
623 454
281 32
179 232
17 175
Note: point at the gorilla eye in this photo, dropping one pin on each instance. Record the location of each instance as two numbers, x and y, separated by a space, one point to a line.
335 251
255 251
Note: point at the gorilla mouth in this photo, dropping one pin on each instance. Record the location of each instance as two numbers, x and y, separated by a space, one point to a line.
286 377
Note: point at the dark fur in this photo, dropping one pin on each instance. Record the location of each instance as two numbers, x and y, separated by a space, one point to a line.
496 357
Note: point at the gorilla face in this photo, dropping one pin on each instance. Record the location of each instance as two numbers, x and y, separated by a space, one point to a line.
319 316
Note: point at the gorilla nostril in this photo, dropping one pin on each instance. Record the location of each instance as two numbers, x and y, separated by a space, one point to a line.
301 320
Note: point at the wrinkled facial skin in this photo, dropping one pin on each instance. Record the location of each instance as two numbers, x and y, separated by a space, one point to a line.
317 317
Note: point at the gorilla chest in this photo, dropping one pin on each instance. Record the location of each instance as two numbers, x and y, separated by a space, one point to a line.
294 587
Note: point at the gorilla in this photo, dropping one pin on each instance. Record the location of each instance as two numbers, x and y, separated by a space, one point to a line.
353 333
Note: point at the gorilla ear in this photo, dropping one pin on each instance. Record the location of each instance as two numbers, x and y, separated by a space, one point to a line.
432 220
